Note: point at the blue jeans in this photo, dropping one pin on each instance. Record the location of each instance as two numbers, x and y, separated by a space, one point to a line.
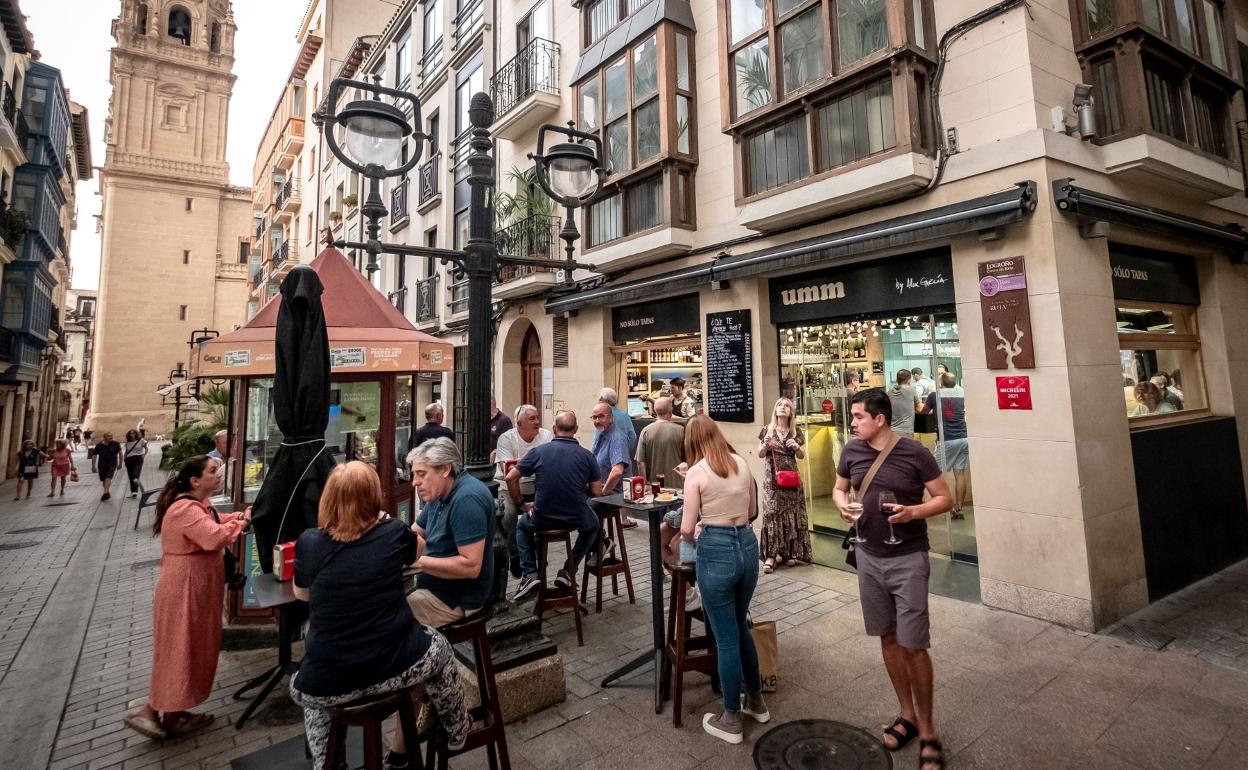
727 575
527 528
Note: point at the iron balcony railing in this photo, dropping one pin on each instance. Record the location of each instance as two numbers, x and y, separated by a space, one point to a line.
259 228
281 253
429 179
461 148
535 69
535 236
431 62
257 272
469 19
283 194
426 294
10 104
21 129
398 202
457 302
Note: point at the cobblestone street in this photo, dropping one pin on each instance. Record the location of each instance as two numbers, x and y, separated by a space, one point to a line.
75 645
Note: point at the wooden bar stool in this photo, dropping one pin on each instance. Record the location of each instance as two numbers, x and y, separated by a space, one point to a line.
549 596
489 732
686 652
608 566
369 714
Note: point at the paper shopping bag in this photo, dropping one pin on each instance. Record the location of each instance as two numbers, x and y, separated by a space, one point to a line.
768 647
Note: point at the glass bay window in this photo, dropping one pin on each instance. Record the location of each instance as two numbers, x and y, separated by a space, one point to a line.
819 85
642 105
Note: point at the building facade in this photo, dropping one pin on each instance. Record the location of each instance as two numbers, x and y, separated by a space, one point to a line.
175 235
1036 208
79 351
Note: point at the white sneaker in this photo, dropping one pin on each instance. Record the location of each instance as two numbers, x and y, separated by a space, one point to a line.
759 711
713 726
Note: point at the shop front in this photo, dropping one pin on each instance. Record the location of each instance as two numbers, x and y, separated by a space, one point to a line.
379 364
656 347
855 327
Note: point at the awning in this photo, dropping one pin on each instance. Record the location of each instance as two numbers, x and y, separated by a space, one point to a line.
1090 207
986 213
367 334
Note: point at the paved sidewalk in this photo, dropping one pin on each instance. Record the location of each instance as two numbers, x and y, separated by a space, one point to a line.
75 649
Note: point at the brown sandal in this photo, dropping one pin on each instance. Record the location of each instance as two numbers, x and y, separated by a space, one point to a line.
146 726
189 723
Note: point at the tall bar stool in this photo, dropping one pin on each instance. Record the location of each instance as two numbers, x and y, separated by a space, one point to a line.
608 566
490 732
369 714
686 652
549 596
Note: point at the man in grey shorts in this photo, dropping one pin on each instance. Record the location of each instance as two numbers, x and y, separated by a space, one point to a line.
892 579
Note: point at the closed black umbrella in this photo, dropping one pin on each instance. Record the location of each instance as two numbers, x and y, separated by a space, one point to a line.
287 502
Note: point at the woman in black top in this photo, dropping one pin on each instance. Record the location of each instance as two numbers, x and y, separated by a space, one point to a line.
28 461
362 637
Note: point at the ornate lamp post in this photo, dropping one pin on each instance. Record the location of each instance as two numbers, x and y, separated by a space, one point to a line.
374 134
572 174
176 378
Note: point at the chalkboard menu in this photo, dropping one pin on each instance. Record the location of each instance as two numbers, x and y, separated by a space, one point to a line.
729 366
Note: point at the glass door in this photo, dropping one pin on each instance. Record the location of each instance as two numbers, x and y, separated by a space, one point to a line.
822 366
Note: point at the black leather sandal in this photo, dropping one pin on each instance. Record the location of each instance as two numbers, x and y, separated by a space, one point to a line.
903 739
930 761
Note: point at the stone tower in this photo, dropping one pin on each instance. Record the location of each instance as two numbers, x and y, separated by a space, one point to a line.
173 231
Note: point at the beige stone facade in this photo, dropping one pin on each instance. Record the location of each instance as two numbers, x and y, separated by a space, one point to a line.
1066 521
173 230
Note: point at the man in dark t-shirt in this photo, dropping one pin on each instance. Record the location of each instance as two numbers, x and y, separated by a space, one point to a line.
433 427
893 568
104 459
456 563
500 423
565 475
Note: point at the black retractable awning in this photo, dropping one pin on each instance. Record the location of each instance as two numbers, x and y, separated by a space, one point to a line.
1090 206
957 219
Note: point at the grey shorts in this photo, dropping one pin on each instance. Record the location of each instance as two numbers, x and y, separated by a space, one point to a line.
955 454
893 593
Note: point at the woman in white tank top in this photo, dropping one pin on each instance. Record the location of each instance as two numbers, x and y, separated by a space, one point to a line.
720 501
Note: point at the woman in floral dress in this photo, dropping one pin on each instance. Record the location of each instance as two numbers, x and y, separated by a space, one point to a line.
786 538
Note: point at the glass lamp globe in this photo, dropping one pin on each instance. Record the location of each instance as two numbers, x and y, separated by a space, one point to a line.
570 168
374 132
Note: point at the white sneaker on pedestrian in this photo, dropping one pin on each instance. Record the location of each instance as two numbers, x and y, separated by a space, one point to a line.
726 727
755 707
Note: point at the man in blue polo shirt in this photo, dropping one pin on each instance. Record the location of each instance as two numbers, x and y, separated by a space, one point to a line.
565 475
453 528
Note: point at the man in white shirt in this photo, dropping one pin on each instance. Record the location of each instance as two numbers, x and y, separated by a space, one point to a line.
512 446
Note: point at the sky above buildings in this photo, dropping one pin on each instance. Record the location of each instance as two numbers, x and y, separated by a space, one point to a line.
74 36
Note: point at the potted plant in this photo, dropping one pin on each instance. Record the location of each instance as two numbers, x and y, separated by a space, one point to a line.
335 216
350 200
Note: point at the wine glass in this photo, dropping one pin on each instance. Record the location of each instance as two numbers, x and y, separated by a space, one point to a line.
854 510
887 501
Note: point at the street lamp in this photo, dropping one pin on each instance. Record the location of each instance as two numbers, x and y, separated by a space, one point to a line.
176 378
571 173
374 134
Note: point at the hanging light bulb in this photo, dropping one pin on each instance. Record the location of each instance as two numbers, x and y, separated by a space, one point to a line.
875 332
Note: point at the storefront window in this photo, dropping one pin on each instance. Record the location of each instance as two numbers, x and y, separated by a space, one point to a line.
650 374
354 421
261 438
1159 349
403 412
1158 337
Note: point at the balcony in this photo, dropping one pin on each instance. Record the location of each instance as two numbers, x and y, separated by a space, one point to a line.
469 21
526 90
257 273
281 254
398 204
9 138
291 143
260 227
426 298
432 63
429 179
536 237
287 201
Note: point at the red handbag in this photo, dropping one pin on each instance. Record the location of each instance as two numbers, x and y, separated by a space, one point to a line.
785 479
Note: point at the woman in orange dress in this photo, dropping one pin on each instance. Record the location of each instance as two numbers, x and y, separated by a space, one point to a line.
186 618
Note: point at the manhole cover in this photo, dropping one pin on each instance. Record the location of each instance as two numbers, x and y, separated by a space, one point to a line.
820 744
16 546
146 564
28 530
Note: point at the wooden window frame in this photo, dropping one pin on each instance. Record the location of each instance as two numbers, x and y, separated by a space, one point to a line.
1129 16
585 6
669 161
901 43
1161 341
1129 50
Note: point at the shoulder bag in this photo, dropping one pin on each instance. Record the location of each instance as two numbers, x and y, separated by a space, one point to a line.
784 479
851 558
